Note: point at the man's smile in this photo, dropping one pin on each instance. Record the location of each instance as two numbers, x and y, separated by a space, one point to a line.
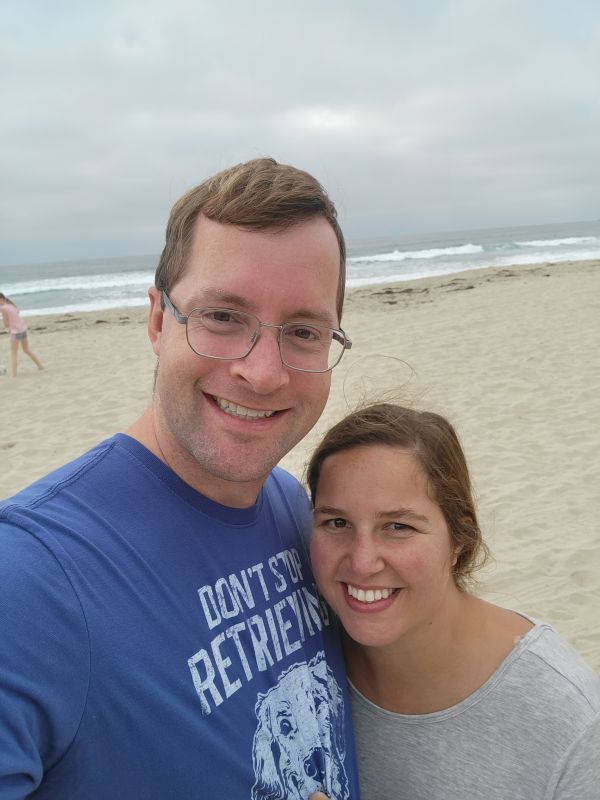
241 411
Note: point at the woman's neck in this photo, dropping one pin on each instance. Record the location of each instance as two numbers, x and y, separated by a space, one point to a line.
433 670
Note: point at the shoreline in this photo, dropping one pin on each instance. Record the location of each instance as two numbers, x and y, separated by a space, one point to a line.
406 292
509 355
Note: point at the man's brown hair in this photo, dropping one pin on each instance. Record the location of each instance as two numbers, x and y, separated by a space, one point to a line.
256 195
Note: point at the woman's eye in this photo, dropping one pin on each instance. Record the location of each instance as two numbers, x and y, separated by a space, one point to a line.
336 522
399 528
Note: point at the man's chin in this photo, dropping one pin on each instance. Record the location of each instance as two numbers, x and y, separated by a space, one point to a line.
239 468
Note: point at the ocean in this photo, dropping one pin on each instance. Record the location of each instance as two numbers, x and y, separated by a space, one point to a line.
93 285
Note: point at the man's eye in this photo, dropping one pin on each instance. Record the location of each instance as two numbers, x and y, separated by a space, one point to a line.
220 320
336 522
222 315
304 333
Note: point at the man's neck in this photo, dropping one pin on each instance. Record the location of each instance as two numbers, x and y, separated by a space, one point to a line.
233 494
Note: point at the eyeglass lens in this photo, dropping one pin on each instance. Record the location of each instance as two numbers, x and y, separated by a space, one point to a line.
222 333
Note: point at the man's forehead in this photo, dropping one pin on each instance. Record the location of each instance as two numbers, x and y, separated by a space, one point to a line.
225 263
218 233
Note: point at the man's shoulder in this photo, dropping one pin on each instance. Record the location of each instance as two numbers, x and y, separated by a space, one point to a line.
288 497
71 516
284 478
286 484
43 490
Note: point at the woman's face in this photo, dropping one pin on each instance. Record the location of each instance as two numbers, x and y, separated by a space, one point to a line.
381 551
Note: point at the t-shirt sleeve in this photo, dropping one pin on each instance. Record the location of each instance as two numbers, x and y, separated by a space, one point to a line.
295 496
577 776
44 662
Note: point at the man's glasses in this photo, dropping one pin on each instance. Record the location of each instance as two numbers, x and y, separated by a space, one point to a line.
227 334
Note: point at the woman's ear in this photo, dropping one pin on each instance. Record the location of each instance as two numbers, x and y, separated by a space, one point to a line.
457 551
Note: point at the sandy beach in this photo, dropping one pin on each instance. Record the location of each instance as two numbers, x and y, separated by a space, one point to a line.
510 355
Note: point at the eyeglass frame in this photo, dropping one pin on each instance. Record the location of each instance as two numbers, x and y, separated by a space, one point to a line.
182 319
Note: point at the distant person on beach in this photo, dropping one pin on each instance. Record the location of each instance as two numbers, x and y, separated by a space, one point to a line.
452 697
161 632
16 326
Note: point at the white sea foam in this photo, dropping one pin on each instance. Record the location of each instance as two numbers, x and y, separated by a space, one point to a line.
81 282
70 287
355 283
357 277
571 255
560 242
402 255
92 305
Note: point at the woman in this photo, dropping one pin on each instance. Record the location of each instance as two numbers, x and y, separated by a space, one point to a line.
452 697
17 328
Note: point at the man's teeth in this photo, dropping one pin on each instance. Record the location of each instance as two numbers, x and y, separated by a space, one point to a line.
369 595
241 411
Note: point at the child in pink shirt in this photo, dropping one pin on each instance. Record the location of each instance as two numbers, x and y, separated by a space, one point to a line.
17 328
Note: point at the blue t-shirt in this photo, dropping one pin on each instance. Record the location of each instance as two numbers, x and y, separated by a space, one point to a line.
155 644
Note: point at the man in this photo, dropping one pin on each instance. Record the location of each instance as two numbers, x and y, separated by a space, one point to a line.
161 633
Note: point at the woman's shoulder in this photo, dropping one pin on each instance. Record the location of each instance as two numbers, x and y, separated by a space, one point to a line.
550 663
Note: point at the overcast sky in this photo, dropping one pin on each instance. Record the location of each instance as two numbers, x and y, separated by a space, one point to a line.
416 116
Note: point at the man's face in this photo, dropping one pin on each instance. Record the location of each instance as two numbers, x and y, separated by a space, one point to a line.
201 405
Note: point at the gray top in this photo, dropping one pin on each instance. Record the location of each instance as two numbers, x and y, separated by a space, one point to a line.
531 732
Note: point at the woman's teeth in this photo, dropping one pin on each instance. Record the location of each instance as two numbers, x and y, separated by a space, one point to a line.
369 595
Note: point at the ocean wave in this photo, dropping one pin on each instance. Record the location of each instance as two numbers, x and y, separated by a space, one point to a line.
81 282
559 242
92 305
377 280
355 280
542 258
70 287
403 255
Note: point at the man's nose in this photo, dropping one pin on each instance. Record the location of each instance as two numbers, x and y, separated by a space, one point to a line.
263 368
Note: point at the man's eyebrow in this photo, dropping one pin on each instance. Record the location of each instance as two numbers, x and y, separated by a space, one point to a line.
221 297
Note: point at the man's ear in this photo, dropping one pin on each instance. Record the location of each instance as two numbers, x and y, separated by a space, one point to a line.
155 319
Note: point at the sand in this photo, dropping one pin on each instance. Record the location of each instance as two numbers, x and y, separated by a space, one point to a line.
510 355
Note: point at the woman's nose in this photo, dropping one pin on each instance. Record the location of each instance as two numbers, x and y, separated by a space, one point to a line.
364 556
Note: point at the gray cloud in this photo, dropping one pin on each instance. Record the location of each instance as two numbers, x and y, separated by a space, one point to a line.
450 115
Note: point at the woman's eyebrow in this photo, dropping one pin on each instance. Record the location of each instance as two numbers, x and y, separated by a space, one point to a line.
402 513
405 513
338 512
